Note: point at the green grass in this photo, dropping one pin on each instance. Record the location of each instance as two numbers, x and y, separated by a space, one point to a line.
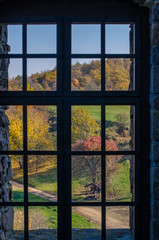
18 196
49 212
94 111
45 181
81 222
78 190
111 111
120 184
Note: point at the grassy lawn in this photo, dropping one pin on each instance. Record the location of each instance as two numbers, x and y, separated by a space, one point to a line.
119 187
94 111
120 183
111 111
44 179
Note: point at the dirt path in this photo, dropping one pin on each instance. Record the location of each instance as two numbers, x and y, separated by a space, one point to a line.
36 192
116 217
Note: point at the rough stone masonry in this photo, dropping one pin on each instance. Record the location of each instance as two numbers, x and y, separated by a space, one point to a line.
154 115
6 213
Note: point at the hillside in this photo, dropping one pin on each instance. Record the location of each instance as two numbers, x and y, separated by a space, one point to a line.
84 76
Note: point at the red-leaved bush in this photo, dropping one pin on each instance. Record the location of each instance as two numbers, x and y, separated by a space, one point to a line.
94 144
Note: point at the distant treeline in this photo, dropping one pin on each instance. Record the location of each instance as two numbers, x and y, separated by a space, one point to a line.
84 76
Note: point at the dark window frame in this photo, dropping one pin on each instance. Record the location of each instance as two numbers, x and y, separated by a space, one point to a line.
64 98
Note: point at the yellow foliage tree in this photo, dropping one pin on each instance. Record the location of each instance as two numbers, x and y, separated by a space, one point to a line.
39 135
83 125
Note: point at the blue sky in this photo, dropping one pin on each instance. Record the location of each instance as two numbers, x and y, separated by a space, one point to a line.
85 39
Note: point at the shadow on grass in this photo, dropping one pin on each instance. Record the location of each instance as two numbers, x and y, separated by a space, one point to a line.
45 181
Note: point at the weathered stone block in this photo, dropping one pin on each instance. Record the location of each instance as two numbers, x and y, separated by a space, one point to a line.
155 55
154 229
155 34
2 237
155 79
155 182
154 101
155 209
154 155
155 125
155 13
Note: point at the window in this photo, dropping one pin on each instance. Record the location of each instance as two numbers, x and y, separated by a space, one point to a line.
74 102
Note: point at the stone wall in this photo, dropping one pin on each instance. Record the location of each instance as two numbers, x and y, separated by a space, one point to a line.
77 234
154 101
154 115
6 213
3 62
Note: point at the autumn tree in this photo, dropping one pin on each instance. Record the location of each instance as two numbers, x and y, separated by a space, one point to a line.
93 162
83 125
39 135
15 84
15 116
117 74
86 76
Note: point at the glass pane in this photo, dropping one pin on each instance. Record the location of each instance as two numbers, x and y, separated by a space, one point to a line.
118 223
86 74
13 222
15 115
41 38
11 39
15 38
15 75
41 74
119 38
85 128
120 178
119 74
43 223
42 178
86 38
86 178
120 128
42 128
86 223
